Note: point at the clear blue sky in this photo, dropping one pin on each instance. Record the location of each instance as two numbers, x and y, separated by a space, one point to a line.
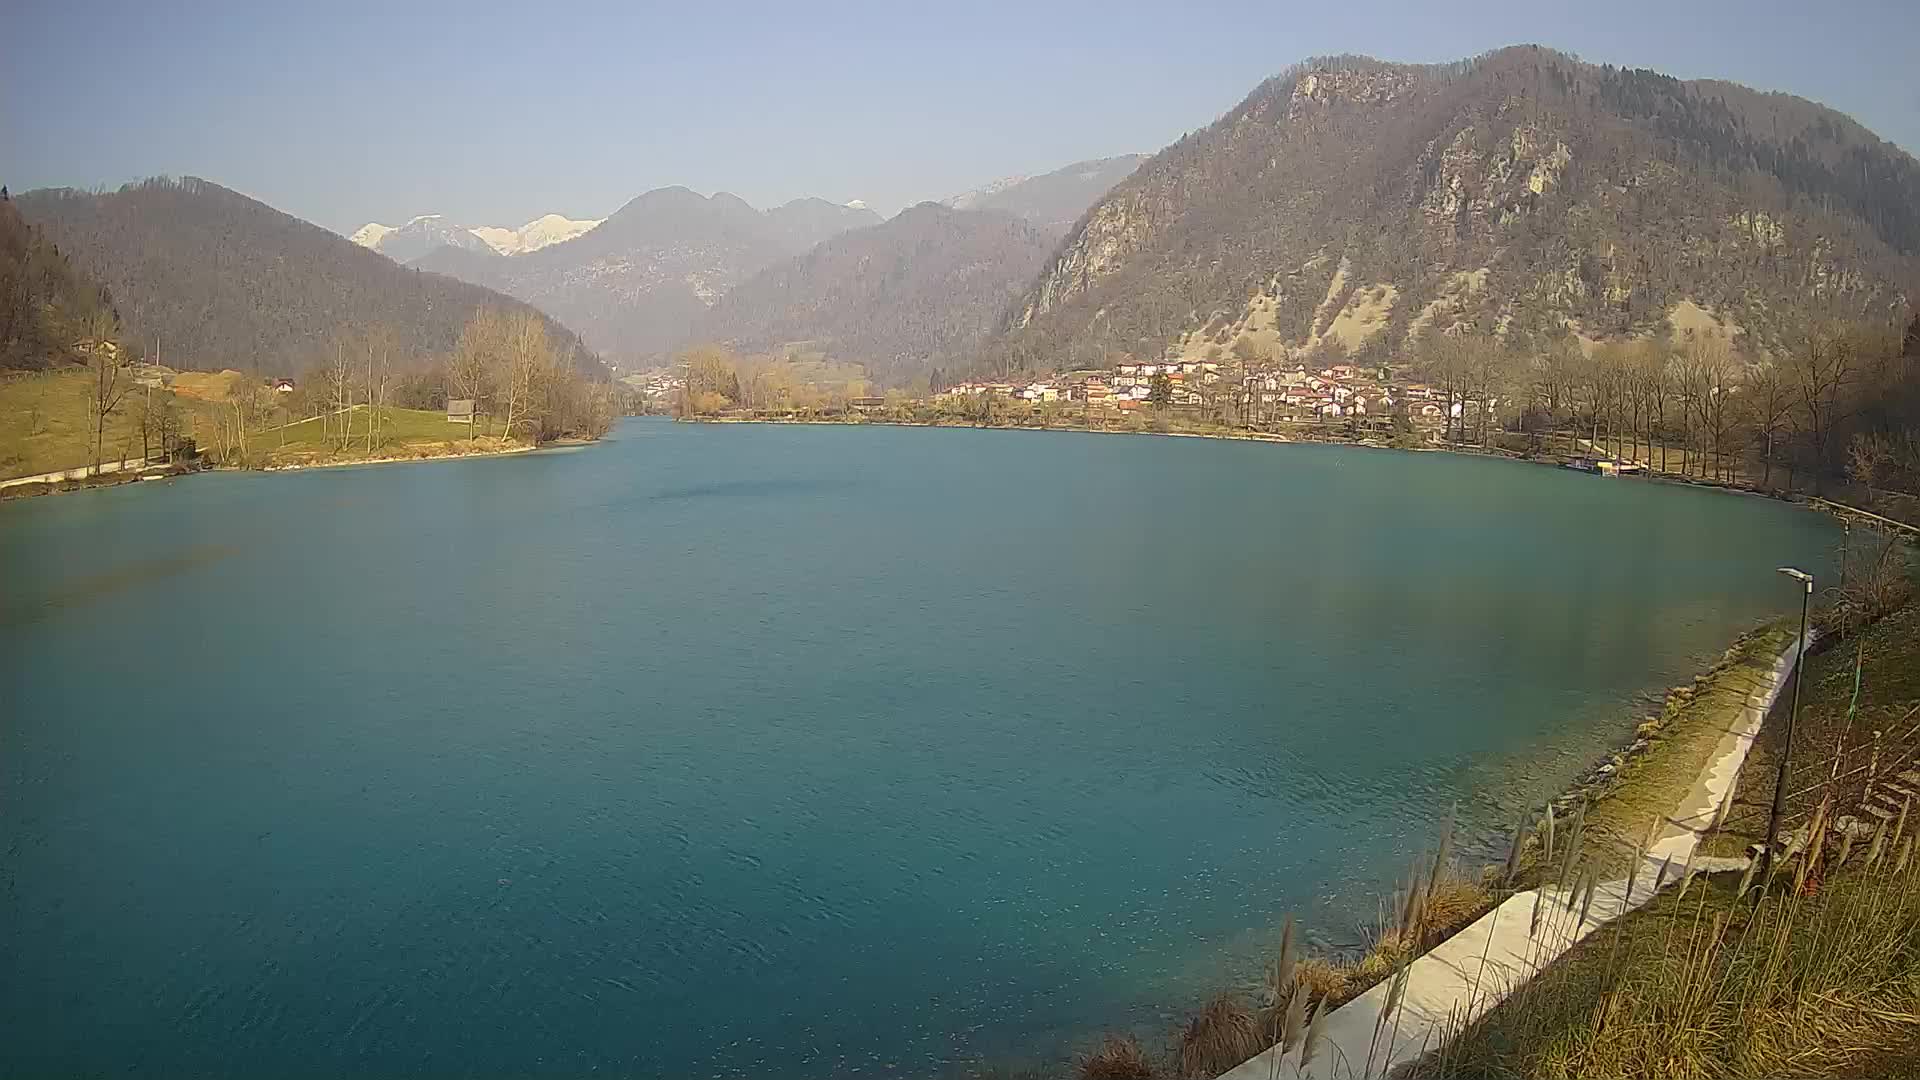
495 113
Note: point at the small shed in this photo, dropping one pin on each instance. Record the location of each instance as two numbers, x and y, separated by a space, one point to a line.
460 411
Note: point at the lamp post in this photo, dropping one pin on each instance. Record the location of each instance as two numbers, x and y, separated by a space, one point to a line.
1793 714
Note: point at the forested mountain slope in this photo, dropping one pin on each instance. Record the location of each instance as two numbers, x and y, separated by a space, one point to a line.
1350 205
922 289
218 280
639 281
44 301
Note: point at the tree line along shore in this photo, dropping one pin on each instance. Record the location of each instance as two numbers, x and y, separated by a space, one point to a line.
1838 409
110 413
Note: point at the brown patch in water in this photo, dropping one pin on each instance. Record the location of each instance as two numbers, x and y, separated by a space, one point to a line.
92 587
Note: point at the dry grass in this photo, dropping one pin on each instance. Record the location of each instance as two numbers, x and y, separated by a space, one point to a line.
206 385
1323 980
1118 1057
1834 723
1815 976
1388 952
1452 904
1220 1036
46 423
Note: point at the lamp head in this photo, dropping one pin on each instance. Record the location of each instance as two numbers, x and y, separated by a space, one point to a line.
1798 575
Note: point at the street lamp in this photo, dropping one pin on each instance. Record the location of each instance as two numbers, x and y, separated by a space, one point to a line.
1793 714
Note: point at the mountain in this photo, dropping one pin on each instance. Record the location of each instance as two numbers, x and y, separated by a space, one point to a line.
803 223
1055 200
44 300
1359 202
405 243
541 232
921 289
637 283
428 232
219 280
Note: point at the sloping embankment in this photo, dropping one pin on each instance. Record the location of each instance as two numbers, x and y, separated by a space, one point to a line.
1466 975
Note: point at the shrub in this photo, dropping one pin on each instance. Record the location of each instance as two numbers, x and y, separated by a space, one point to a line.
1119 1057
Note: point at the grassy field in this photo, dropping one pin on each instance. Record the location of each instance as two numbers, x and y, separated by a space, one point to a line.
341 438
45 423
45 426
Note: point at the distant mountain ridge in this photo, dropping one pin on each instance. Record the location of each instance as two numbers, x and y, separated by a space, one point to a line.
223 281
405 243
1053 200
638 282
1353 204
920 290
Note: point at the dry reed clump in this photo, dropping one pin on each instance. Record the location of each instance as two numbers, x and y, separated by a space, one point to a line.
1220 1036
1388 951
1452 903
1118 1057
1322 979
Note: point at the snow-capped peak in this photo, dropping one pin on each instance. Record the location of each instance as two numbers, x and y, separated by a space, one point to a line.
430 230
370 234
542 231
857 204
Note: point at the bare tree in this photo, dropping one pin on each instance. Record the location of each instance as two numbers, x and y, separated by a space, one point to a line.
470 368
1770 404
1869 457
339 380
1822 369
380 348
107 381
1655 374
523 361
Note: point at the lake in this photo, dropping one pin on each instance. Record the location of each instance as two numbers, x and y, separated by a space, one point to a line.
786 751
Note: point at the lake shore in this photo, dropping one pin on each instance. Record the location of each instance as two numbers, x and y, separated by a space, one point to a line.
115 479
1308 435
396 459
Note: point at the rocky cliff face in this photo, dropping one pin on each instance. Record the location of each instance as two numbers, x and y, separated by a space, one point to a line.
1353 204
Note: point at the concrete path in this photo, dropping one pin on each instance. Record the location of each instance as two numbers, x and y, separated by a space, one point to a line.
1475 969
79 472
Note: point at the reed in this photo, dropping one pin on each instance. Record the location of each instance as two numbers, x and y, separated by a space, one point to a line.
1316 1035
1221 1035
1513 854
1118 1057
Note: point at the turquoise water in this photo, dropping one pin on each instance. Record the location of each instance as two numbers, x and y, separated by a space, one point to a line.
784 751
